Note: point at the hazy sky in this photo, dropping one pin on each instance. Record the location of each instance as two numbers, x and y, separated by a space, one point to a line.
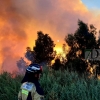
21 19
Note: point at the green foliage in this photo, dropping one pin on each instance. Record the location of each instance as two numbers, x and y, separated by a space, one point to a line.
60 85
57 85
9 86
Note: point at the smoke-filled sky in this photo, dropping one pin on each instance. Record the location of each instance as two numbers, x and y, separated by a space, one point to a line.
21 19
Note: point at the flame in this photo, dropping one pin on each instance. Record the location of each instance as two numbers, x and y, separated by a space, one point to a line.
58 50
21 19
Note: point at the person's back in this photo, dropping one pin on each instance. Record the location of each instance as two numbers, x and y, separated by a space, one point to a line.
30 88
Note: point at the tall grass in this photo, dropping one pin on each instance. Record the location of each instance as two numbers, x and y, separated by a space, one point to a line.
9 86
69 86
57 85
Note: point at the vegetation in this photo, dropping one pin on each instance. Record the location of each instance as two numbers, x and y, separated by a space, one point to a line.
83 38
64 85
9 86
43 49
60 84
57 85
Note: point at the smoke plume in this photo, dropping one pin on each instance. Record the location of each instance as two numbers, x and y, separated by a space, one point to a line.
21 19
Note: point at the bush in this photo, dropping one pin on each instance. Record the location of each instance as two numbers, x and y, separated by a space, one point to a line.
9 86
64 85
57 85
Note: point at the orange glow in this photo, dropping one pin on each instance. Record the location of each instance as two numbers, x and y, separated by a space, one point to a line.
20 21
58 50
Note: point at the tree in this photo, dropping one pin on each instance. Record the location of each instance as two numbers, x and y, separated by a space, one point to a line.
83 38
43 48
30 54
57 65
22 65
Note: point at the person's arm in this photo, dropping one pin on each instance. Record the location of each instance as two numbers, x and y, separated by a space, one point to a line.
37 95
20 95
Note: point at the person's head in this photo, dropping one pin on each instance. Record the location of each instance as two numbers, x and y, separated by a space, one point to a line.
33 72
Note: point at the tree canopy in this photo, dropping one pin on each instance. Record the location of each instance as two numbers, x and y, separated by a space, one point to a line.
83 38
43 48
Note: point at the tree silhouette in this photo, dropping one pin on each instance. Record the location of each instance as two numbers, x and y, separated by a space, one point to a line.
22 65
43 48
57 65
30 54
84 38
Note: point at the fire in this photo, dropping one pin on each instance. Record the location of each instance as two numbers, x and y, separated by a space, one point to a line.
58 50
20 21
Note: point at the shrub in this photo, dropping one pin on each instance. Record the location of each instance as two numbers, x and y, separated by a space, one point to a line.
57 85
